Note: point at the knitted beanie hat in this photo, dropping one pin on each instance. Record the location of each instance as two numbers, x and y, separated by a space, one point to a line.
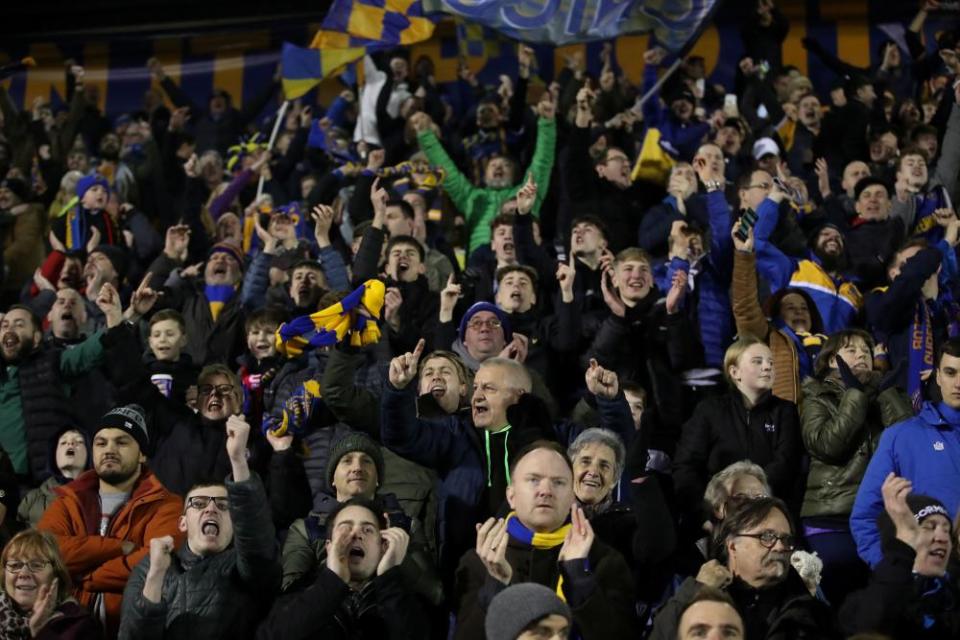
476 308
921 506
355 441
518 606
87 182
128 418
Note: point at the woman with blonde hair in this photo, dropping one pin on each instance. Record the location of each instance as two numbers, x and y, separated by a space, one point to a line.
747 423
36 600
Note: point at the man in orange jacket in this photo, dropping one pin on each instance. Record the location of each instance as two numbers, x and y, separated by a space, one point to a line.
104 519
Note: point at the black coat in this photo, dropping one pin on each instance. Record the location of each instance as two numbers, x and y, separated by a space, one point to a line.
900 604
785 611
382 609
722 431
223 595
601 598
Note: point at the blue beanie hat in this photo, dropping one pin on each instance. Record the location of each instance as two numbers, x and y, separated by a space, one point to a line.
86 183
492 308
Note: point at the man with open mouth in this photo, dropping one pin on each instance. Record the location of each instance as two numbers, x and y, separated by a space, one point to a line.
361 586
104 519
228 564
910 593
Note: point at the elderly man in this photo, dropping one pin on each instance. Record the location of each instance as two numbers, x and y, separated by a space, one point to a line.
212 309
105 519
471 454
753 546
361 587
215 585
534 544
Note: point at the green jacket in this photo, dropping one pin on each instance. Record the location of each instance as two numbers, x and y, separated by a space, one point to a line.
36 501
481 205
841 429
74 362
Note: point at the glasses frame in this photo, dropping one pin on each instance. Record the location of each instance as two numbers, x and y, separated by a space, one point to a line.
777 537
31 566
221 502
221 390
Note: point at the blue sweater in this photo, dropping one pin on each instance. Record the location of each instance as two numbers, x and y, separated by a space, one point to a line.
925 450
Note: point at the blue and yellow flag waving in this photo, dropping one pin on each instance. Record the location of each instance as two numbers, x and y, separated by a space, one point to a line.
353 318
303 68
374 23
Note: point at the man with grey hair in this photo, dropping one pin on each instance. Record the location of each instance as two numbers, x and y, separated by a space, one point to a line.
472 454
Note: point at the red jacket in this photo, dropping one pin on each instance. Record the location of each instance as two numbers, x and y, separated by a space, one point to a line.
96 563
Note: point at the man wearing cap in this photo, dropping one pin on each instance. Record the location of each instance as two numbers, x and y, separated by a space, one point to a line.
104 520
535 543
21 230
212 307
218 584
527 611
766 152
75 229
471 453
821 274
874 235
908 595
356 468
924 450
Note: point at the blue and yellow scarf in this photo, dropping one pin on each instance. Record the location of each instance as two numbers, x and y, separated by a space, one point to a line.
550 540
337 322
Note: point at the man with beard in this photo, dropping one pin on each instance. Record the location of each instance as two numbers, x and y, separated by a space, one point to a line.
216 584
105 519
34 383
821 274
105 264
75 229
753 547
534 544
212 309
874 235
479 205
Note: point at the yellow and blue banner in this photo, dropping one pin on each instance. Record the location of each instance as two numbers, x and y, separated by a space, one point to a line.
303 69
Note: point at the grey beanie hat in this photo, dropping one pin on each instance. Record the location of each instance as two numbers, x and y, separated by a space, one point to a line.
518 606
129 418
355 441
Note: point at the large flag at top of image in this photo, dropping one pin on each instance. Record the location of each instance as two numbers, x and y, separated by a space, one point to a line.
374 24
674 23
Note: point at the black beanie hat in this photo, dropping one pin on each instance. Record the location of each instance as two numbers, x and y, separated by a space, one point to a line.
355 441
129 418
18 187
921 506
117 256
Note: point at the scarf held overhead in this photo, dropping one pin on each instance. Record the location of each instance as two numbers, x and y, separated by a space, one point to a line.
353 318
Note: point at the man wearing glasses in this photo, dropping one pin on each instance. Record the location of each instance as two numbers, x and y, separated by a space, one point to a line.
104 520
753 547
213 585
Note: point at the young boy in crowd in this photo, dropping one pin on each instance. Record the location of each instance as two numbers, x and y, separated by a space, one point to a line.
260 362
170 369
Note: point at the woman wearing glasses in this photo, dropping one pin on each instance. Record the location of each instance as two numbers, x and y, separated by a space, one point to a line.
36 600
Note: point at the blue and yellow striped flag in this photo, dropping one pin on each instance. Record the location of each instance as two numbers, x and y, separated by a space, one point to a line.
303 68
374 23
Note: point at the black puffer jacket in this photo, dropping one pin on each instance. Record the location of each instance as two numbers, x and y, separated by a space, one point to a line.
218 596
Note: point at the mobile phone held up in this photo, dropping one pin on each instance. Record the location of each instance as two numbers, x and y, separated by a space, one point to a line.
748 218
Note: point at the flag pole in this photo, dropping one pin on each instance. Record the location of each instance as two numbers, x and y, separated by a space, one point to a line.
273 138
656 87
